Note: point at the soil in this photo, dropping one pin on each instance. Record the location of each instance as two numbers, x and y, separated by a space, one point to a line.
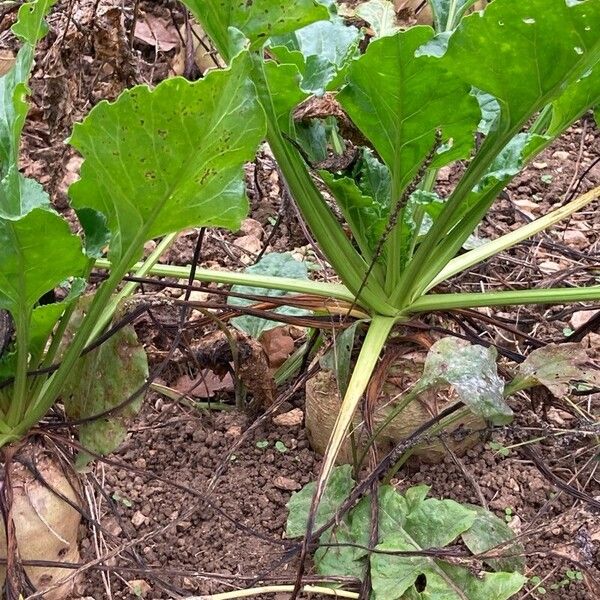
161 532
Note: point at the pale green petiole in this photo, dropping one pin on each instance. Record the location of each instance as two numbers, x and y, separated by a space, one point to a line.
335 291
473 257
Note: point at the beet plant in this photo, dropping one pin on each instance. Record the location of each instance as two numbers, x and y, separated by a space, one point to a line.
492 89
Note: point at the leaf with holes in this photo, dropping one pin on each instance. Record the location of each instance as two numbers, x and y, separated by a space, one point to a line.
157 161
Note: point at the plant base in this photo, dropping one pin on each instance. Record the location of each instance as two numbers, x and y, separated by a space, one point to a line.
323 404
46 527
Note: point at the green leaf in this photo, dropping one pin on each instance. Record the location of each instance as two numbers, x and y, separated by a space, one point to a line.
38 253
380 15
30 26
472 373
17 194
458 583
447 13
276 265
394 575
284 92
101 380
343 560
313 137
44 317
339 487
258 20
327 47
546 43
435 523
408 522
366 217
399 101
373 178
411 523
490 110
96 232
510 161
578 97
157 161
393 509
556 366
488 532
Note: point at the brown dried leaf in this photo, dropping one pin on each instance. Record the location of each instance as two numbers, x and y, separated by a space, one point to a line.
206 385
155 32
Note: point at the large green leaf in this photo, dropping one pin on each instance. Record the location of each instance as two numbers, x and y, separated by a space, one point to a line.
471 371
450 582
399 101
547 44
157 161
102 380
408 522
431 523
276 265
258 20
38 253
285 93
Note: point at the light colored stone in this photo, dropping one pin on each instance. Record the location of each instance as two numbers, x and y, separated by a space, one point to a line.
444 173
581 317
293 418
252 246
252 227
576 239
234 432
561 155
527 206
516 524
549 267
287 484
198 296
139 519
